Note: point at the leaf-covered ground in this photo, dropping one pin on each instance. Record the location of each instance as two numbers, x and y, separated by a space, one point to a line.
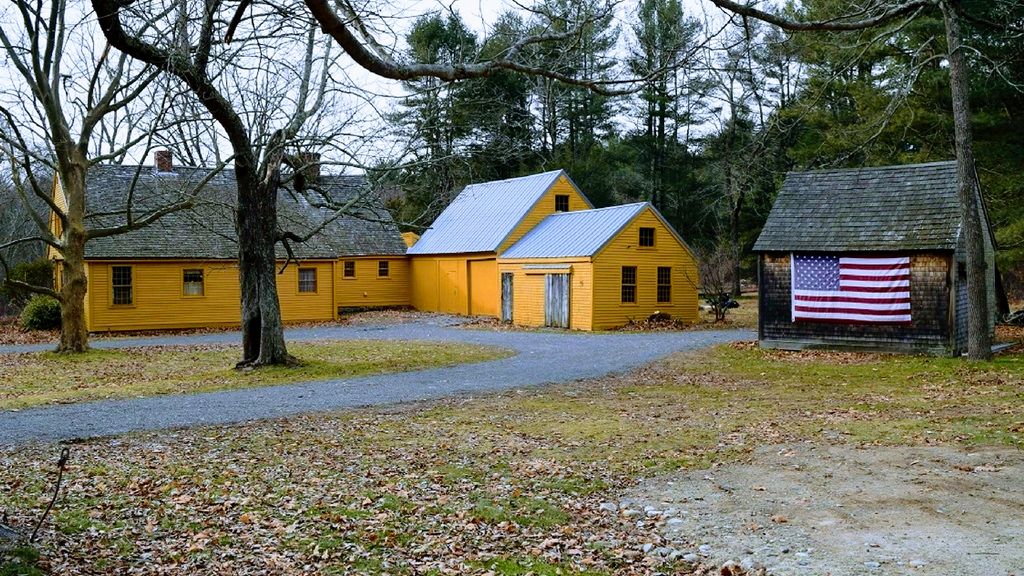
509 484
35 378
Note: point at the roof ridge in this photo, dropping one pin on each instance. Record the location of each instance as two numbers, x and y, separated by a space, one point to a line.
872 168
489 182
590 210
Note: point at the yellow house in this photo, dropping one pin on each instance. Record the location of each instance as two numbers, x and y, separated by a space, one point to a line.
182 272
455 263
529 250
598 269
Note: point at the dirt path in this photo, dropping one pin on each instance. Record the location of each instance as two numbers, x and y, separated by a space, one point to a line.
803 510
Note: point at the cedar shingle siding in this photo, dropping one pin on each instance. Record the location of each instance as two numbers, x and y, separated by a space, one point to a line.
910 210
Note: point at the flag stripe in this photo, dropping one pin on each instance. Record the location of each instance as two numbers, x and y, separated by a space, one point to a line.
874 261
854 299
856 310
877 289
851 268
881 279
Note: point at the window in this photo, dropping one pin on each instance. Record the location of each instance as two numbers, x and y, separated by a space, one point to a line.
664 284
647 236
307 279
383 269
192 282
121 284
628 284
350 269
561 202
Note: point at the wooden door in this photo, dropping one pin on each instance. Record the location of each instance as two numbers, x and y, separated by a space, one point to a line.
451 299
506 296
556 300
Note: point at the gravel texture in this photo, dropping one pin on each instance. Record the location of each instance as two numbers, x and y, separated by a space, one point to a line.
808 510
542 357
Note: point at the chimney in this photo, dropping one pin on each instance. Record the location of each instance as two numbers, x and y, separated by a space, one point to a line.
309 164
163 161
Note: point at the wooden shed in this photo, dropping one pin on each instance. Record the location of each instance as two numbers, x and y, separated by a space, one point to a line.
454 264
598 269
867 259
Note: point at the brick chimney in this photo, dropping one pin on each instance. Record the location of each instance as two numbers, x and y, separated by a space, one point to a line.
163 161
309 163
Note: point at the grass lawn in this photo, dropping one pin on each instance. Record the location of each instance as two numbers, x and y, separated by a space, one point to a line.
35 378
508 484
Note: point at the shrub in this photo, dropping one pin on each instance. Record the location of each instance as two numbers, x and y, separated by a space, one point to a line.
41 313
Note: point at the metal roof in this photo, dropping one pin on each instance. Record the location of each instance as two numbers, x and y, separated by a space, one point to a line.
911 207
574 234
207 230
483 215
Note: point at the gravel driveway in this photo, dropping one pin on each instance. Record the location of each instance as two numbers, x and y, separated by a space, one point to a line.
541 358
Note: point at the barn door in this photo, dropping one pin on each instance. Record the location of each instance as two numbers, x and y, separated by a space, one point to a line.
506 296
556 300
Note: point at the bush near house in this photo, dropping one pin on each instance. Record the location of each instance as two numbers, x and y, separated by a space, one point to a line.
41 313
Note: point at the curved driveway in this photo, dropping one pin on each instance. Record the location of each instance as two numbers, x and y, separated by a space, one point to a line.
541 358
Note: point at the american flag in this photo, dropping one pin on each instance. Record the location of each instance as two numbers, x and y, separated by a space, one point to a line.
847 289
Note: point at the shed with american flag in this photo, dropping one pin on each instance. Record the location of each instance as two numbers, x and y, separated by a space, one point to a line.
868 259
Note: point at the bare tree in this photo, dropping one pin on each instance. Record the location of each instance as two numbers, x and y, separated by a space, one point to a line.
220 57
67 115
879 13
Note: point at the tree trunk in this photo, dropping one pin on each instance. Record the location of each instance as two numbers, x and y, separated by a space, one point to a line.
74 334
262 329
979 339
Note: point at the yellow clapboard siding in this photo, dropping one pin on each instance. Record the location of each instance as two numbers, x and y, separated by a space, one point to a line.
623 250
306 306
544 208
367 288
55 226
159 301
528 292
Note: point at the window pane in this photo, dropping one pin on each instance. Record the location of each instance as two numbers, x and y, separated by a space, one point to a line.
383 268
647 236
192 281
307 279
628 293
629 274
629 283
121 284
664 284
561 203
350 269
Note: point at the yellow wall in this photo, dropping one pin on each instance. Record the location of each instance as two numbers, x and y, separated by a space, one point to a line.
306 306
56 229
455 284
159 302
368 289
544 208
528 291
623 250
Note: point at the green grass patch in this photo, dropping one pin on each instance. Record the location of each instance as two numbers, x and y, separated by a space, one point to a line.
21 561
31 379
524 566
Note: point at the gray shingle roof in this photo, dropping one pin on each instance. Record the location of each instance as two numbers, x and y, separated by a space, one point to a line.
574 234
912 207
483 215
208 232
